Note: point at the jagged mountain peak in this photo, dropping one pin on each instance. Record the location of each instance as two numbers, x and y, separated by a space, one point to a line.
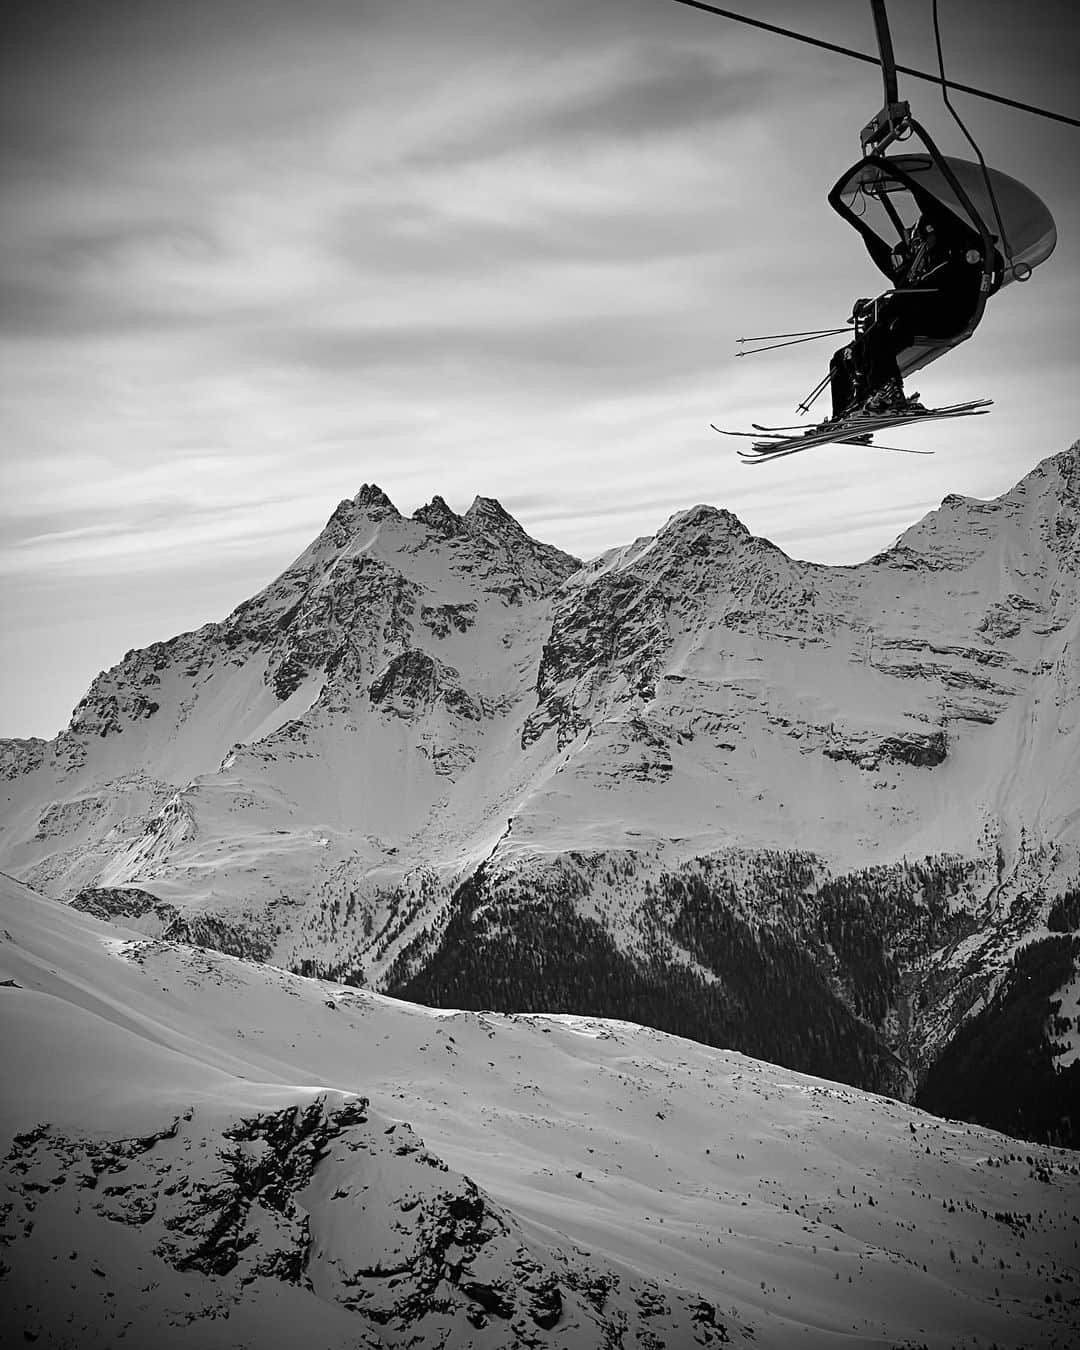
369 504
704 514
489 514
702 539
438 516
374 501
488 520
704 528
692 533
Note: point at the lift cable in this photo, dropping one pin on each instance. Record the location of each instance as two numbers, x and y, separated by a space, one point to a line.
875 61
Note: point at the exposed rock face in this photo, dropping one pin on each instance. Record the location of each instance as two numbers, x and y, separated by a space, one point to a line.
414 683
126 902
332 1201
645 749
18 757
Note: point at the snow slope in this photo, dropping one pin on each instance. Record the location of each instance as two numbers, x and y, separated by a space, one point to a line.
196 1145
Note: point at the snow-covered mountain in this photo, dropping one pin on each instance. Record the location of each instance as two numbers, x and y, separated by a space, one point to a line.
201 1150
811 812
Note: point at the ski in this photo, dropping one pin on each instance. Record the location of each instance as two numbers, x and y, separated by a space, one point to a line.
857 429
802 426
773 448
759 452
756 434
750 457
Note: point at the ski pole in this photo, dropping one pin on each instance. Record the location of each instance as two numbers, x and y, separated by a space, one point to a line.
792 342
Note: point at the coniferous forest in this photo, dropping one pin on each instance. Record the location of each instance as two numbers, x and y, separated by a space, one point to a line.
1000 1070
810 975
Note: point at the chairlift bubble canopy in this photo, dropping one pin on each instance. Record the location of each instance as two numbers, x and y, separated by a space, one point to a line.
883 196
906 182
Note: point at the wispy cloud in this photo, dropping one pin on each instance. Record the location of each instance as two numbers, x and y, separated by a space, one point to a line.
628 92
161 544
254 254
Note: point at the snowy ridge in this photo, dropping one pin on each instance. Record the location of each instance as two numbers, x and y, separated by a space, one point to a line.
199 1145
430 728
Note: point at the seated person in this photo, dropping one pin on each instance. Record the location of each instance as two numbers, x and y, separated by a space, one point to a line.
937 274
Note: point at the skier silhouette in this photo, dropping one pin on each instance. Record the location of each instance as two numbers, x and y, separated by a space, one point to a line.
936 273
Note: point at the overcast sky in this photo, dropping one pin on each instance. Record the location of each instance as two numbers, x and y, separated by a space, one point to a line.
254 254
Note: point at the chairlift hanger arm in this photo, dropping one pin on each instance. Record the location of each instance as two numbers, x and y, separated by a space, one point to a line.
885 47
894 118
875 61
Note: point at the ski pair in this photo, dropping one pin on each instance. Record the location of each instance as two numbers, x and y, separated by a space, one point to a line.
857 428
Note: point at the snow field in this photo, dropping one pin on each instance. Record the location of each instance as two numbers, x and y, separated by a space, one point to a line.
803 1210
